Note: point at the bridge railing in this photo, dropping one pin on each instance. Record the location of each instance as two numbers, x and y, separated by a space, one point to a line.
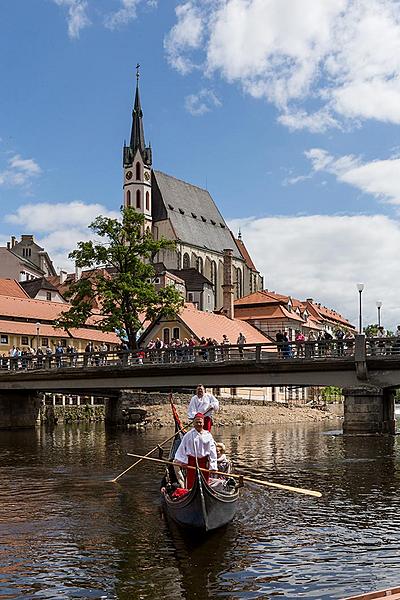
301 350
387 346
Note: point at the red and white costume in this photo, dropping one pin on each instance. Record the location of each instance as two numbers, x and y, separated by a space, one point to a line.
200 445
206 405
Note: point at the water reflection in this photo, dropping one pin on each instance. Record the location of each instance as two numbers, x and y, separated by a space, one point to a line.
67 532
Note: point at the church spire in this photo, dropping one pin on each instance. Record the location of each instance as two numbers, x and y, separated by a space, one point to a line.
137 141
137 133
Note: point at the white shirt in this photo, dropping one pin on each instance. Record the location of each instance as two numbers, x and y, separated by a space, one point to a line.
207 401
197 444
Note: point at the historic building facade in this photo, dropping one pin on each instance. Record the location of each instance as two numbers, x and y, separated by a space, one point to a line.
185 213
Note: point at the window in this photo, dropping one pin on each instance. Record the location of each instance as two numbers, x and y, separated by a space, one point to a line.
147 201
199 264
190 297
194 215
175 333
45 342
138 172
128 198
239 283
3 339
214 274
186 261
181 211
166 335
170 207
204 219
25 340
138 199
48 295
63 343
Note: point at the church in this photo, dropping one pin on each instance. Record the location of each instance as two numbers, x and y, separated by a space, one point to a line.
187 214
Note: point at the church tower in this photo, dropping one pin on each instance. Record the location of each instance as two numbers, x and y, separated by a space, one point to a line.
137 161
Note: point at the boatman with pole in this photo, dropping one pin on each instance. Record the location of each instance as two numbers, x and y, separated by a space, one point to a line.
197 443
203 403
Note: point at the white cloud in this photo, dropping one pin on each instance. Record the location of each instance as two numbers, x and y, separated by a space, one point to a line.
77 15
58 227
19 171
381 178
324 257
201 103
124 15
186 35
49 217
321 62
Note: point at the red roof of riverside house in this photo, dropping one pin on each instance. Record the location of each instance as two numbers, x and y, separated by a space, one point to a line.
245 254
212 325
30 329
262 304
10 287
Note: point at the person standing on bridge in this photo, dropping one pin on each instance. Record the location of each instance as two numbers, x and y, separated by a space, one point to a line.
204 403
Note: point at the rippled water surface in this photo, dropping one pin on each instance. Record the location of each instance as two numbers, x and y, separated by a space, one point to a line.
67 532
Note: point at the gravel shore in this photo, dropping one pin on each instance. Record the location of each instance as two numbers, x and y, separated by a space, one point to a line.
159 415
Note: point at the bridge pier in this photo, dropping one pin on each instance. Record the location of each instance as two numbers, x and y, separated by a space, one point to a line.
369 409
18 409
113 410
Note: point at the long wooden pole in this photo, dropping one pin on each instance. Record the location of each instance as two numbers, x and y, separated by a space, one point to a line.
279 486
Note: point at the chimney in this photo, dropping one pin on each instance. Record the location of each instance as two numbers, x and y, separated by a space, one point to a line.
227 286
309 300
63 276
12 241
78 273
8 245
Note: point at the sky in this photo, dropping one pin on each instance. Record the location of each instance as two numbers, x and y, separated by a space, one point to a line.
287 111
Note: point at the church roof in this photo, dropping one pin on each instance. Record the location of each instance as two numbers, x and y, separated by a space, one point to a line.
194 215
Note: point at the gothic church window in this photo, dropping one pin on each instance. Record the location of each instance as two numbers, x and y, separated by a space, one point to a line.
147 201
199 264
138 172
186 261
239 283
214 274
128 198
138 199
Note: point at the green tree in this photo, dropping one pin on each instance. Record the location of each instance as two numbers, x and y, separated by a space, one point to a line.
121 280
371 330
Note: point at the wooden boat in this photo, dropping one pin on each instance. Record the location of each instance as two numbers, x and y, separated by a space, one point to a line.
392 594
202 507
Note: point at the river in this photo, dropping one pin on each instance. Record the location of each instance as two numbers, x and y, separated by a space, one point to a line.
67 532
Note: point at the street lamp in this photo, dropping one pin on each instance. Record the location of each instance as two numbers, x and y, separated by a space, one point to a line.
360 287
37 334
379 306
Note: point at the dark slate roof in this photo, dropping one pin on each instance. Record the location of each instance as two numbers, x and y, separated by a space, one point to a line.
33 286
194 216
194 280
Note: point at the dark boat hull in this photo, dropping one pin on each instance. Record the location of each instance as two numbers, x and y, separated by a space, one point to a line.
202 508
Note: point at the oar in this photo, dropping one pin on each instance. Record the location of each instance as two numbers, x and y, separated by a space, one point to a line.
280 486
154 449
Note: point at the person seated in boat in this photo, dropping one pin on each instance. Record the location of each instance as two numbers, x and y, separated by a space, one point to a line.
223 464
203 403
197 443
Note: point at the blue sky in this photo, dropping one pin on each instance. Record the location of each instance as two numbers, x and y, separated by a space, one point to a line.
287 110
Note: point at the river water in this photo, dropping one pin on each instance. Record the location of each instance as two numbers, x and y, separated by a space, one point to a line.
67 532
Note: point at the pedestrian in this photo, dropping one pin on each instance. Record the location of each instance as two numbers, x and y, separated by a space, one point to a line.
204 403
241 342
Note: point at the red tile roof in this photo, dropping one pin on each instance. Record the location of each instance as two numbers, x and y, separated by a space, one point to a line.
10 287
212 325
245 254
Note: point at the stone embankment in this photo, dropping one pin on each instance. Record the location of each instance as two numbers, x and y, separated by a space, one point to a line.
159 415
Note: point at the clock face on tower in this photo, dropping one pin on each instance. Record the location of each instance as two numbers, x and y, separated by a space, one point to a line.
128 175
147 175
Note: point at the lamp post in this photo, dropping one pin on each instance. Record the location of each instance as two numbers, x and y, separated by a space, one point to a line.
379 306
360 287
37 334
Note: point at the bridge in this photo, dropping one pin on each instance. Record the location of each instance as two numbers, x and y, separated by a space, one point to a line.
368 370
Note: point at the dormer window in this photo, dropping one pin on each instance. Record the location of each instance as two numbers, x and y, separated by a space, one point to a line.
204 219
222 226
181 211
212 222
194 216
170 207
